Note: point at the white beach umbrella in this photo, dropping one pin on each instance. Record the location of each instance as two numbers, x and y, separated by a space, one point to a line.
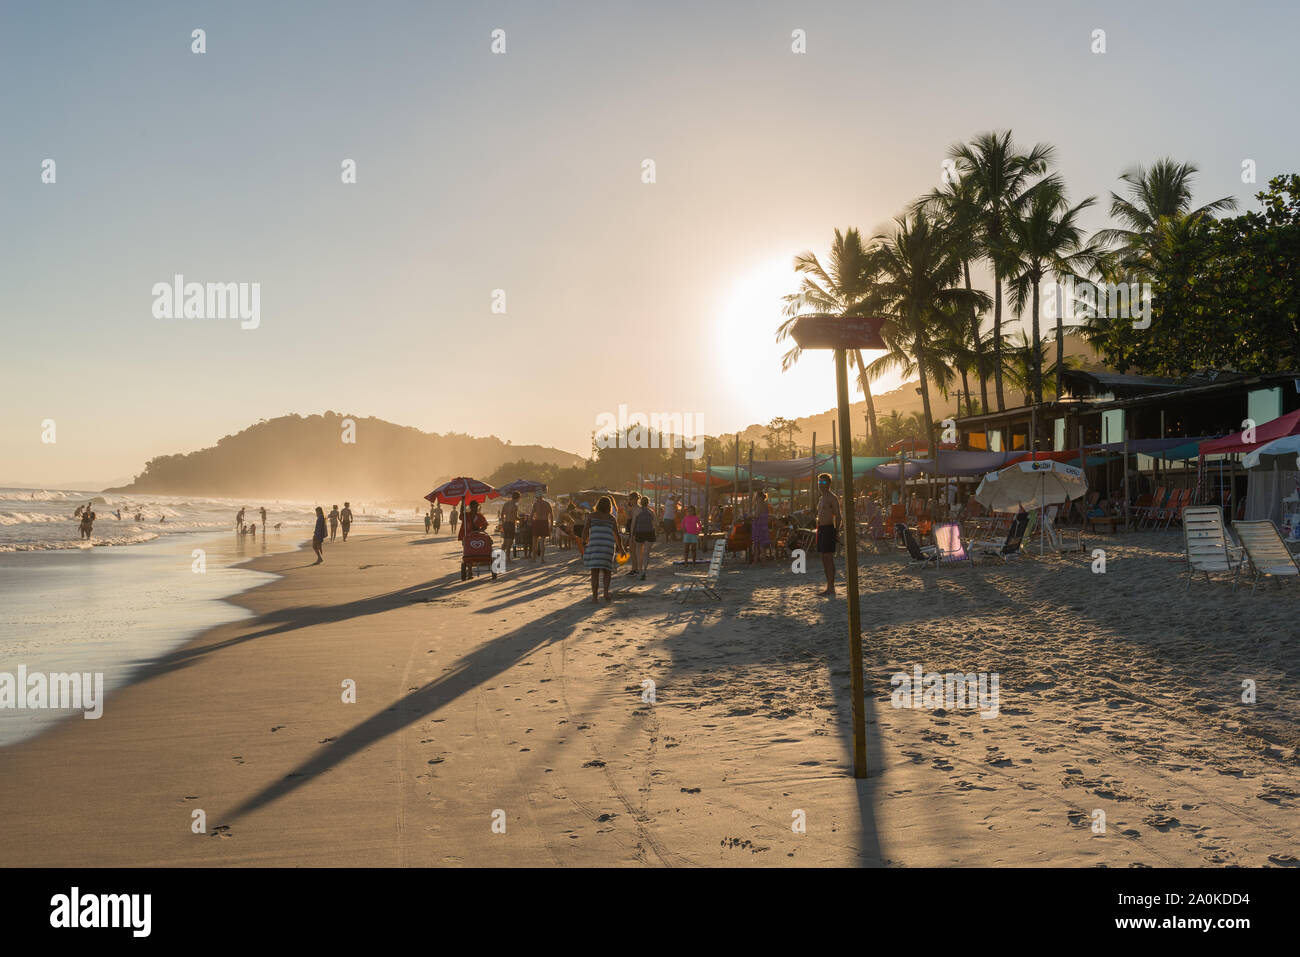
1280 453
1031 485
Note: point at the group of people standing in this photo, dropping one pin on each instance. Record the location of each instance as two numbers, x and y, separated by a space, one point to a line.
337 519
540 519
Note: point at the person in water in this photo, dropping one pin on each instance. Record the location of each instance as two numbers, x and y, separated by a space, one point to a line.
318 536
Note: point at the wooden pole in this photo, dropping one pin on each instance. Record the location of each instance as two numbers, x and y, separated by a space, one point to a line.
851 575
812 478
708 481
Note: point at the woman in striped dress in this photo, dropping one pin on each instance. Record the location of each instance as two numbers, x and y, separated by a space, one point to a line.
601 540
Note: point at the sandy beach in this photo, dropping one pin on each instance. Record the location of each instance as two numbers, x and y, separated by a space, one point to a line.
519 701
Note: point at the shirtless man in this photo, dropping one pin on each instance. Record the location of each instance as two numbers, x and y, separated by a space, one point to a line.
345 519
509 516
829 521
541 518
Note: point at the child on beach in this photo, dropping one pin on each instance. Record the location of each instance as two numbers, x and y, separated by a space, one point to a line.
690 535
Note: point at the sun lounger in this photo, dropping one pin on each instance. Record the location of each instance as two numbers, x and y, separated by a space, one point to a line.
1207 544
704 582
1008 548
1265 551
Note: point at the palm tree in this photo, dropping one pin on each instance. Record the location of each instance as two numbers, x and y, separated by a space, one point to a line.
1161 191
839 289
1000 173
956 205
917 292
1024 364
1045 237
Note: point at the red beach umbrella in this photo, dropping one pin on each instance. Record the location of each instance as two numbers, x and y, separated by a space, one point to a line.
462 489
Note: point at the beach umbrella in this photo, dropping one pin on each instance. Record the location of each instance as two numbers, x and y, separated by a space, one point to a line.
1031 485
1280 453
522 486
462 489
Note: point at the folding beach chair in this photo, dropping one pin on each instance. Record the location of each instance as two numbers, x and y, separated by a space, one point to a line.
1056 535
1207 544
948 544
1011 546
1265 551
705 581
918 553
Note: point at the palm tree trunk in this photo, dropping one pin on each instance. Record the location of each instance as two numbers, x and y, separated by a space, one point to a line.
1060 352
980 365
965 388
997 337
1037 355
871 402
925 404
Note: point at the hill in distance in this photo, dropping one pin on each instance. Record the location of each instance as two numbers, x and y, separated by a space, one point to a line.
297 457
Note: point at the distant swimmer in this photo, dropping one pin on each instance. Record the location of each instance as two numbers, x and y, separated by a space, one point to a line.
118 513
162 518
345 519
318 536
277 525
334 522
139 516
87 523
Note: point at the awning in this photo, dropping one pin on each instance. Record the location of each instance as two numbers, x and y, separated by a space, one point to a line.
1280 427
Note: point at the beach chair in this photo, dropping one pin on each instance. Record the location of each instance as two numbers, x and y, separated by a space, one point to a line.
918 554
1265 551
1179 498
706 580
1207 544
948 544
1056 535
1008 548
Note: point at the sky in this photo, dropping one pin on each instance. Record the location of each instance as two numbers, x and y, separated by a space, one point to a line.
523 172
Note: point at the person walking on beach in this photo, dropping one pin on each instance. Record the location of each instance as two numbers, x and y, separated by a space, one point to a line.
452 519
600 541
643 533
541 518
829 520
334 522
428 520
509 516
437 518
345 519
318 536
263 510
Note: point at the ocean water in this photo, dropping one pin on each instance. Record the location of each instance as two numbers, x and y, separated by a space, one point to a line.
69 606
43 519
